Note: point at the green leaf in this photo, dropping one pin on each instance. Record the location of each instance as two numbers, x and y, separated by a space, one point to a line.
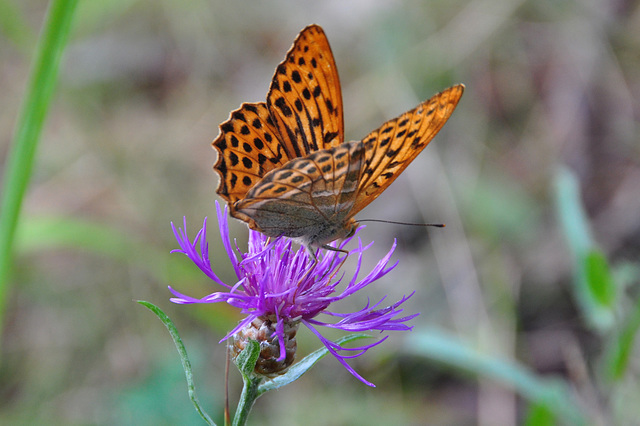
619 351
551 393
255 385
33 111
55 232
247 359
302 366
593 287
246 363
94 238
599 279
182 351
539 415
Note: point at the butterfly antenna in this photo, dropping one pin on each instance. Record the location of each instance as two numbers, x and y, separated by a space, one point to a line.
437 225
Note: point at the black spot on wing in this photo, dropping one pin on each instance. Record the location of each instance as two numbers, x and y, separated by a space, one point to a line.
329 136
233 158
283 107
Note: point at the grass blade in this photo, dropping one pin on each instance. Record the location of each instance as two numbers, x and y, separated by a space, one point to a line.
42 79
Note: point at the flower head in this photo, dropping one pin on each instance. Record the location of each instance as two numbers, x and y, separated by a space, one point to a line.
279 288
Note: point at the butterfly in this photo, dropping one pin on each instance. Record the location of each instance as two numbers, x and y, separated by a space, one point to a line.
284 167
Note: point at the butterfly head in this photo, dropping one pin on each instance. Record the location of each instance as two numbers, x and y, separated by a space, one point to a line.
352 226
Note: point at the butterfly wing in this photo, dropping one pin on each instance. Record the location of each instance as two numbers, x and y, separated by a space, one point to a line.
305 99
309 198
248 148
391 148
303 114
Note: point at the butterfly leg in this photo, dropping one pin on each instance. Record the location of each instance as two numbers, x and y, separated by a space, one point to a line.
313 256
346 254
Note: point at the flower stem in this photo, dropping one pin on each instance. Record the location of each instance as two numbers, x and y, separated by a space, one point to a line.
249 395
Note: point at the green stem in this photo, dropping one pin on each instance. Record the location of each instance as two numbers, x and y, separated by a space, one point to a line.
29 125
249 395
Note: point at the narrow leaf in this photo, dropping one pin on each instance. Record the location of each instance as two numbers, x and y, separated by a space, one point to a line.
33 111
589 293
618 352
549 392
182 351
302 366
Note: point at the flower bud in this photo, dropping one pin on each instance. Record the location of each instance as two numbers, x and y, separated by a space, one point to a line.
263 330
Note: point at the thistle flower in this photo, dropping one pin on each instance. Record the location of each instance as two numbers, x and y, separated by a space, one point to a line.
279 288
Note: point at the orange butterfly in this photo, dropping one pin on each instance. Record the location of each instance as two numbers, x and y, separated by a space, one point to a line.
284 166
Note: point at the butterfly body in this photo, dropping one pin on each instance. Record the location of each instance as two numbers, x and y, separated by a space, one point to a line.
314 196
284 166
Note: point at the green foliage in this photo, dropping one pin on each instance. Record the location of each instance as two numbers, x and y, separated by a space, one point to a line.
599 280
620 347
184 358
42 79
550 394
539 415
245 361
302 366
593 287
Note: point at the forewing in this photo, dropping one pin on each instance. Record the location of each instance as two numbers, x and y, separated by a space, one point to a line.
305 99
306 194
391 148
248 148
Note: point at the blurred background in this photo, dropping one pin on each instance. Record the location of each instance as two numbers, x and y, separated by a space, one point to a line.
552 91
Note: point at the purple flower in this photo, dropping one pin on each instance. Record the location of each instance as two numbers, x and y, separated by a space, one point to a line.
284 288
